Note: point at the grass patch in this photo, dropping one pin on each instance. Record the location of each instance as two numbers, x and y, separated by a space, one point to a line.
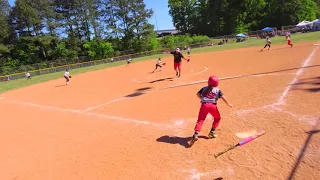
19 83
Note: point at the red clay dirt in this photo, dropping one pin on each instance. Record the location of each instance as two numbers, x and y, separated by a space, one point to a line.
129 123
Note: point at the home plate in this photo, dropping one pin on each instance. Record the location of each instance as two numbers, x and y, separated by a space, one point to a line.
316 44
246 134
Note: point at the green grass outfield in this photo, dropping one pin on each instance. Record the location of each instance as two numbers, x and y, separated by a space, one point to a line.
19 83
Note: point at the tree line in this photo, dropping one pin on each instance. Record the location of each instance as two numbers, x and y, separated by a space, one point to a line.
221 17
35 31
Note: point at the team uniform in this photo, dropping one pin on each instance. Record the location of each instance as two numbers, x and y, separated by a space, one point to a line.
177 61
289 41
188 50
28 76
67 77
209 96
128 62
268 43
158 64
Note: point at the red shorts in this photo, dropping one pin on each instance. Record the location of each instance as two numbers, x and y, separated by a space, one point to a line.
177 66
289 42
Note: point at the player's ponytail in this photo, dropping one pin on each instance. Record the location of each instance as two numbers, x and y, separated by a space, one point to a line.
207 91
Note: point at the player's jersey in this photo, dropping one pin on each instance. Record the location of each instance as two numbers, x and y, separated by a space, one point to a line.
211 97
158 62
288 38
188 49
177 56
66 74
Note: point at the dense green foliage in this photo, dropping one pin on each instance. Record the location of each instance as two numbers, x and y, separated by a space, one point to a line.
221 17
38 31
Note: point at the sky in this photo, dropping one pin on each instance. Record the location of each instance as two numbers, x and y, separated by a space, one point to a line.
161 18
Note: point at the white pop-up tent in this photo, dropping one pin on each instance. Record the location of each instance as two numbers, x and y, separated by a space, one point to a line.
304 23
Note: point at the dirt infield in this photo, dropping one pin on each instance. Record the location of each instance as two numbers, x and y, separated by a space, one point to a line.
129 123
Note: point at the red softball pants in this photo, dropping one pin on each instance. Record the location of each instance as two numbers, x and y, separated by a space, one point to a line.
204 110
177 66
289 42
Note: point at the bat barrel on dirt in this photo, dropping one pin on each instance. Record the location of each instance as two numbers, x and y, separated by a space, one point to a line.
242 142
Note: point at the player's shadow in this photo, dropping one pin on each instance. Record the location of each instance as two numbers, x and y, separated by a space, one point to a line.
314 131
183 141
162 79
139 92
313 84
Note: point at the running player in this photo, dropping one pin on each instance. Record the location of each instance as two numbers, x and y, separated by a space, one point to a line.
268 43
158 64
209 96
177 60
128 62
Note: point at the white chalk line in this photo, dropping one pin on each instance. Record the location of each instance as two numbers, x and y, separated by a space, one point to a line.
281 100
92 114
224 78
100 105
183 84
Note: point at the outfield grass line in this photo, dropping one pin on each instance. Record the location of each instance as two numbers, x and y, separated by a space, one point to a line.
19 83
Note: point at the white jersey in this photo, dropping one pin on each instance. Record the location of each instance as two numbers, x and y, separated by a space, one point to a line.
188 49
268 41
66 74
28 74
158 62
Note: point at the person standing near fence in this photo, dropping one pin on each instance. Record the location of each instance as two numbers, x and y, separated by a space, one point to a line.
177 60
28 76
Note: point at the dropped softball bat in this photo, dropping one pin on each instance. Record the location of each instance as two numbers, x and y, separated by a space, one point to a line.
242 142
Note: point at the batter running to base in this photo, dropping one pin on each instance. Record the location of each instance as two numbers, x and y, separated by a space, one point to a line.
209 96
177 60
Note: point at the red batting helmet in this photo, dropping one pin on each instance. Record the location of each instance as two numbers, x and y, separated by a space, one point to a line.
213 81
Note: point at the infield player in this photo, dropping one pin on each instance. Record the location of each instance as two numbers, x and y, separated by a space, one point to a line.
158 64
209 96
67 76
268 43
188 50
177 60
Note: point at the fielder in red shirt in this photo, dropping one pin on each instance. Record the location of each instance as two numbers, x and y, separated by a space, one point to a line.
209 96
177 60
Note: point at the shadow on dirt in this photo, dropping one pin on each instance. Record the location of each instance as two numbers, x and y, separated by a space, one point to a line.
315 130
183 141
160 80
139 92
314 82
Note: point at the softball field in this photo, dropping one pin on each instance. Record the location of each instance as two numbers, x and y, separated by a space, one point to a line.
129 123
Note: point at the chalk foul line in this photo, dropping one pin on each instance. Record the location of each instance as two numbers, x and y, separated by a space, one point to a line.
306 62
281 101
92 114
100 105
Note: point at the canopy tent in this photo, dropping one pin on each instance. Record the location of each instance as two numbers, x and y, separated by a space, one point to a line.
241 35
316 21
304 23
267 29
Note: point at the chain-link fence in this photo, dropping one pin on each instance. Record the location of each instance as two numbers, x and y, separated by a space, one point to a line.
10 73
